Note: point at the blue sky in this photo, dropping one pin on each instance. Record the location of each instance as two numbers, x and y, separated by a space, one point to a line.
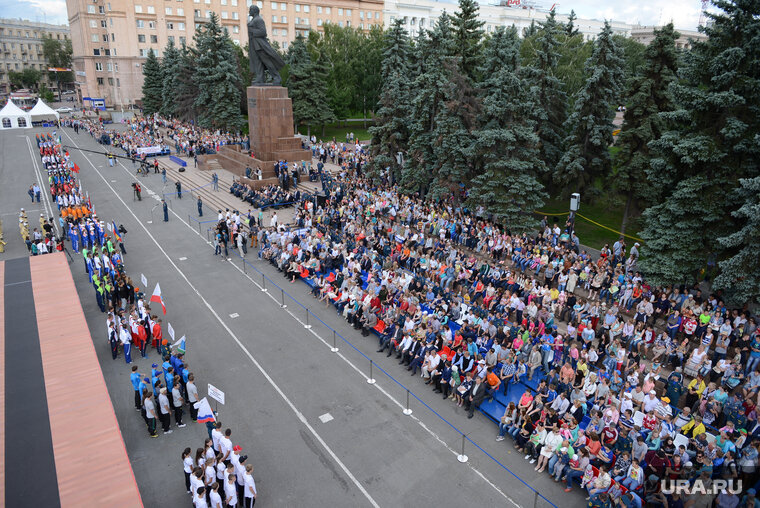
683 13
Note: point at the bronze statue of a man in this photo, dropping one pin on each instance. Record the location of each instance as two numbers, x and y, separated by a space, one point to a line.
262 56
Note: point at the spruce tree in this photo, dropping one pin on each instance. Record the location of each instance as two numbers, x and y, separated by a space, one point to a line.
570 28
187 88
590 125
712 144
647 97
218 78
550 100
390 134
508 159
307 87
468 34
431 54
152 88
171 66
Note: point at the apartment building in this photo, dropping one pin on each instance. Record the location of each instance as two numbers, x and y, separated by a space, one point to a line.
21 45
111 39
645 35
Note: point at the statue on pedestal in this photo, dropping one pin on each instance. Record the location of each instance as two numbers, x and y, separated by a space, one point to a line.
261 55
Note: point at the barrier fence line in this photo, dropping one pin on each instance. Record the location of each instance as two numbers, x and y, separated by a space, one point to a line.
187 190
264 277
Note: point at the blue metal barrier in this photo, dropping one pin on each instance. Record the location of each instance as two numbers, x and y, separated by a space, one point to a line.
177 160
186 190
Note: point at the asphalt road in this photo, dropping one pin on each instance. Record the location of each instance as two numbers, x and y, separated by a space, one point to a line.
279 377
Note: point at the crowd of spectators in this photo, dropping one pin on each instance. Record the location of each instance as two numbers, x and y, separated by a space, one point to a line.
605 378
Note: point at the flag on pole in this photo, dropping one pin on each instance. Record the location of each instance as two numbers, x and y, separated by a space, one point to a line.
116 232
157 297
180 345
75 169
205 414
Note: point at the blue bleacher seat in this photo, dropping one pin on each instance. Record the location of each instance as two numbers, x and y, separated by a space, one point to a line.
492 409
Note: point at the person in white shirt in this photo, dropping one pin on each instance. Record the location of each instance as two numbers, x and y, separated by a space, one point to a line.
187 467
650 402
225 446
250 487
216 435
196 481
199 498
240 476
230 491
214 497
210 472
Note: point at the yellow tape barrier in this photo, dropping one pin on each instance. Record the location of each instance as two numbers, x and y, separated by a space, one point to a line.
592 222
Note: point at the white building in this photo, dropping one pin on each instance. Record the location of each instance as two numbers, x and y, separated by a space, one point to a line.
422 14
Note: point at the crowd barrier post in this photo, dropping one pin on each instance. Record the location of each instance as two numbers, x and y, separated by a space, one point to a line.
462 457
307 325
263 284
371 379
334 348
408 410
282 299
243 261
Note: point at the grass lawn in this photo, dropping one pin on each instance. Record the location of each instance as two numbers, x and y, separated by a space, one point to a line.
339 131
602 212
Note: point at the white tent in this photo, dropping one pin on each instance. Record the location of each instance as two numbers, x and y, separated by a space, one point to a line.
42 111
13 117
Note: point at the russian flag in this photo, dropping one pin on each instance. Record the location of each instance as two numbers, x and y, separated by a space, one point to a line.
180 345
205 414
157 297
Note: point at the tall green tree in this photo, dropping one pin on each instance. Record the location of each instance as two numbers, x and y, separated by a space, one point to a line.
58 53
307 87
153 84
570 27
711 145
27 78
390 134
187 88
468 35
590 125
507 154
368 63
738 270
547 92
218 77
648 95
171 66
429 88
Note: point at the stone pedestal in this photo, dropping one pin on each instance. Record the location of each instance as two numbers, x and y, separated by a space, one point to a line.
270 122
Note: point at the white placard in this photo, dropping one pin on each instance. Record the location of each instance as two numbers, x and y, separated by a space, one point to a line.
148 150
215 393
143 279
171 330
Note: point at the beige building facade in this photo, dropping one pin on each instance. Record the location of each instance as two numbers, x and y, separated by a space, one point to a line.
21 46
645 35
111 39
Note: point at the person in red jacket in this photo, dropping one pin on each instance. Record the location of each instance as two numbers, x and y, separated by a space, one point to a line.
157 336
142 337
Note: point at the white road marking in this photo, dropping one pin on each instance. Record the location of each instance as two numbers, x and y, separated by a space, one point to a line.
183 258
261 369
44 187
327 417
234 315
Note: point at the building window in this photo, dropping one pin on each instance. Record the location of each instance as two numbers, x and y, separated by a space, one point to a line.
94 37
170 38
260 4
101 10
274 6
6 123
140 38
361 14
197 13
180 26
110 81
348 12
274 19
118 83
151 9
180 11
138 8
377 15
108 5
319 21
224 2
170 26
319 9
340 11
96 52
235 29
93 23
109 67
140 23
285 45
182 40
348 23
98 66
168 11
235 15
298 8
340 24
225 15
152 24
101 81
154 39
234 3
327 10
21 121
107 52
91 9
306 8
116 65
103 23
208 14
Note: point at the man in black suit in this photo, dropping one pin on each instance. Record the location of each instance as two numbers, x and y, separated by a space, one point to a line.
476 396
